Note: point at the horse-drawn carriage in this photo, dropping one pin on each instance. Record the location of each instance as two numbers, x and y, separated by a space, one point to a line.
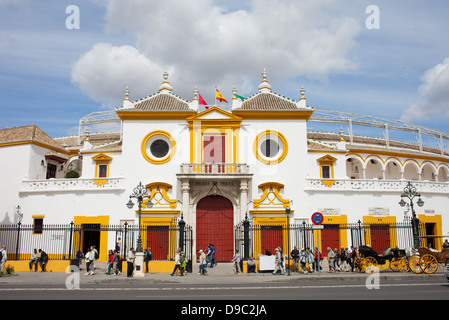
427 260
369 257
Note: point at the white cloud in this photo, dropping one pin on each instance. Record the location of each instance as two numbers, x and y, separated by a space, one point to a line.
434 95
104 72
203 44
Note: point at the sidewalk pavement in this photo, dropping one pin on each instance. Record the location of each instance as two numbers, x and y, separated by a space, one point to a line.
221 274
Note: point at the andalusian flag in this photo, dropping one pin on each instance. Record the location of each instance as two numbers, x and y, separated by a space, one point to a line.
239 97
219 97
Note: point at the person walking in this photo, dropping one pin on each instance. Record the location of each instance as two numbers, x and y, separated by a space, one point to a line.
89 257
212 256
278 261
130 260
309 260
148 255
343 263
110 261
3 258
116 261
295 256
318 257
303 260
236 262
203 263
178 261
331 259
34 259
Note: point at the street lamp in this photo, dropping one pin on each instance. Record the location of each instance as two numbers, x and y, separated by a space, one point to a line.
410 193
139 192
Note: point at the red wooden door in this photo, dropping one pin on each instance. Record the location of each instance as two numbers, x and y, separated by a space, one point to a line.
270 238
330 238
214 149
380 238
157 240
215 225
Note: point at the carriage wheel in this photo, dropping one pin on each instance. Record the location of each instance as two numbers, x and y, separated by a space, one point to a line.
394 264
413 264
370 261
428 263
403 265
358 264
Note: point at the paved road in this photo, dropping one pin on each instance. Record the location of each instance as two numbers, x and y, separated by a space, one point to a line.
221 285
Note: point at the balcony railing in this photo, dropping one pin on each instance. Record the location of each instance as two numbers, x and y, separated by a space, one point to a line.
214 168
373 185
76 184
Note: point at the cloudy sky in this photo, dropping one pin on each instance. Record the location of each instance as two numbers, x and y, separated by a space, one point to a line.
52 75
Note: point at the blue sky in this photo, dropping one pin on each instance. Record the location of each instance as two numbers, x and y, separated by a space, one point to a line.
52 76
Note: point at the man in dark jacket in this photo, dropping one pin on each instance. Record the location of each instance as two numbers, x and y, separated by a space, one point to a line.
295 256
43 259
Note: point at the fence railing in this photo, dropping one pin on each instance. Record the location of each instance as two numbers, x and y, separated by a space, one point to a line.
62 242
254 239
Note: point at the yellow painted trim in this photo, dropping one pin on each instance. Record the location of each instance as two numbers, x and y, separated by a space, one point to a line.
101 220
101 159
270 115
101 182
155 115
374 220
397 154
260 157
38 216
162 221
36 143
143 147
343 235
273 189
269 221
158 192
437 220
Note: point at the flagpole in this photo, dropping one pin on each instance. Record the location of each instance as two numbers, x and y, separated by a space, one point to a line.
215 95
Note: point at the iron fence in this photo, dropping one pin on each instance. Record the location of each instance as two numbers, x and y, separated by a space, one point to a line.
64 241
255 239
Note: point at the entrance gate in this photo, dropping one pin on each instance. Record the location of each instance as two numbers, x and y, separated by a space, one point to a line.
215 225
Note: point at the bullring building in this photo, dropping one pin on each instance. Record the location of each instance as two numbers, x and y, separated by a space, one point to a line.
215 166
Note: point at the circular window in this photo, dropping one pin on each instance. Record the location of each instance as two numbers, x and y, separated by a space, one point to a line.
158 147
270 147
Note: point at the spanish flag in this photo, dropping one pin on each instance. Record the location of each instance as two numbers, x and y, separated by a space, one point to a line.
219 97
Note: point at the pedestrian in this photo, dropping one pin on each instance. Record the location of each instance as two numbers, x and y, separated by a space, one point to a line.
34 259
236 262
337 260
309 260
95 258
3 258
295 256
130 260
212 256
110 261
203 263
303 260
318 257
278 261
89 257
43 259
343 259
184 262
148 255
446 244
352 257
178 261
330 259
80 256
116 261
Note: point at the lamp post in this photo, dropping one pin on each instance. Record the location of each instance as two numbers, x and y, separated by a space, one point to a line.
139 192
287 213
410 193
